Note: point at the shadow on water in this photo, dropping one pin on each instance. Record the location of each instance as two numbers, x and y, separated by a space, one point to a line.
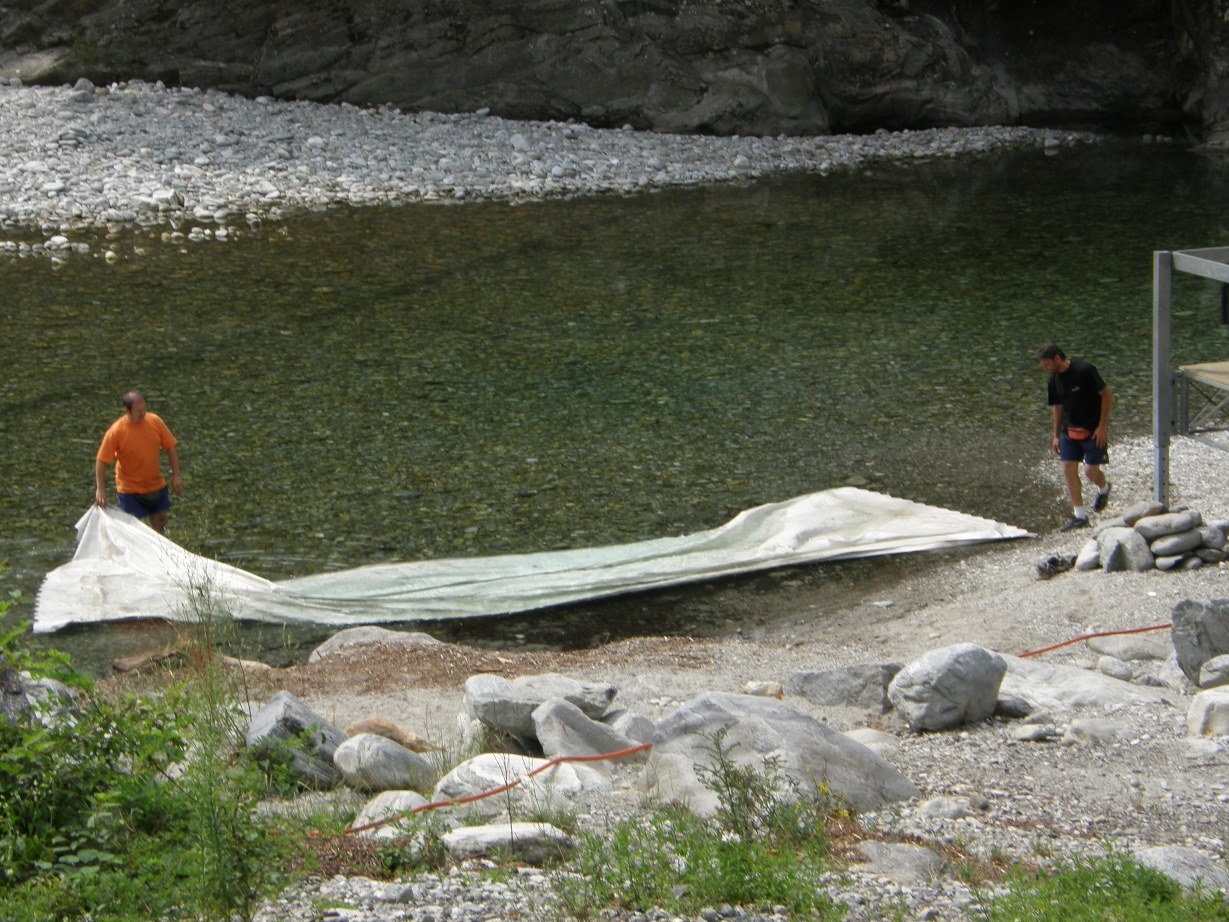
391 384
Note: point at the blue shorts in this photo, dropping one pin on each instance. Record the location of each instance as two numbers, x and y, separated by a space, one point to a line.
143 505
1086 450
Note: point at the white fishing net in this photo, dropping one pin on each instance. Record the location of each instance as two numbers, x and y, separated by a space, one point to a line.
123 569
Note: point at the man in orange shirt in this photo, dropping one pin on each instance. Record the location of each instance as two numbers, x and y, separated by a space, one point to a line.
133 442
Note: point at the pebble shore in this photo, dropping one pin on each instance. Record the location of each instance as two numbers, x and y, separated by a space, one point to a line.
1030 817
77 161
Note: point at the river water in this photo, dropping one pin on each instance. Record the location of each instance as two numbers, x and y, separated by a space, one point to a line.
368 385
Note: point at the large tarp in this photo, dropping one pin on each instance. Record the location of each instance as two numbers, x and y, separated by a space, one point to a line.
123 569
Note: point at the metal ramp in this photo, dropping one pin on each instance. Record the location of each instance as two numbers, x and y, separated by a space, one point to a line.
1194 399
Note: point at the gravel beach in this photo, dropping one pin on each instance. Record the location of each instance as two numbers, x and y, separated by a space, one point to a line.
83 169
196 165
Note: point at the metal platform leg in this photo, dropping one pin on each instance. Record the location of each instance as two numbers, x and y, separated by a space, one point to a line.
1162 380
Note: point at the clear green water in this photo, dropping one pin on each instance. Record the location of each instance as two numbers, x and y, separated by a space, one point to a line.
395 384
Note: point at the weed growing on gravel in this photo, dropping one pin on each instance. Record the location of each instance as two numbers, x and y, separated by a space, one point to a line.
753 803
759 849
561 818
970 871
1111 887
219 786
1042 848
420 849
454 752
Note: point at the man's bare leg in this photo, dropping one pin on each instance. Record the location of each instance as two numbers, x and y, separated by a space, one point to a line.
1097 476
1075 491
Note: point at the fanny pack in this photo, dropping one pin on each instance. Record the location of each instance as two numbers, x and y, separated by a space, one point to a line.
1078 433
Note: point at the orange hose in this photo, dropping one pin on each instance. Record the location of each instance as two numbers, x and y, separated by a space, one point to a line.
558 760
632 750
1067 643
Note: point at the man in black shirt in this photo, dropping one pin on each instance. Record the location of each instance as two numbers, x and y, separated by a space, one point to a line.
1080 403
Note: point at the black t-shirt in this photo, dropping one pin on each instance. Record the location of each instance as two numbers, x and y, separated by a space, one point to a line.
1078 389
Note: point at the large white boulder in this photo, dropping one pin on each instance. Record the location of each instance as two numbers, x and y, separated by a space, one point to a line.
1188 866
1046 686
533 843
563 729
805 752
393 811
368 635
286 728
1200 632
508 706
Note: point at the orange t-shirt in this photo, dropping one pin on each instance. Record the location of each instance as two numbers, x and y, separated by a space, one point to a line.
134 447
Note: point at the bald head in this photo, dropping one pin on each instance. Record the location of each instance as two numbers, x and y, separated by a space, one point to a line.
134 406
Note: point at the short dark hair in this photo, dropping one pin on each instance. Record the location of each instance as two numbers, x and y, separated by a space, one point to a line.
1049 351
130 398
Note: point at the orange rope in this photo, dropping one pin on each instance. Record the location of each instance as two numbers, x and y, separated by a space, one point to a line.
632 750
558 760
1067 643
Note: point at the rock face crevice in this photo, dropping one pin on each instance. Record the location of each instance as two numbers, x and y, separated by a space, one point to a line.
762 67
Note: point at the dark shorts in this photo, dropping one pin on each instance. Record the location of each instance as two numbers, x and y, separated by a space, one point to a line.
143 505
1086 450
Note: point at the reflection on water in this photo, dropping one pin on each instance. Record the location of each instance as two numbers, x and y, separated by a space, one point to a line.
396 384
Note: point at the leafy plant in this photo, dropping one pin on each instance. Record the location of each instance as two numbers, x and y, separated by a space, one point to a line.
678 862
70 789
118 807
49 664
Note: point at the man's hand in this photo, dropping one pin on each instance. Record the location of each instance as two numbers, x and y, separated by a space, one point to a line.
177 485
1102 435
100 497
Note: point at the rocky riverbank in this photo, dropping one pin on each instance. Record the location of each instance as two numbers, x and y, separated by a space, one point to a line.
1102 754
87 170
81 165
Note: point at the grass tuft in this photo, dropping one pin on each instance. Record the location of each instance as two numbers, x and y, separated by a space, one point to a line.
1110 887
766 845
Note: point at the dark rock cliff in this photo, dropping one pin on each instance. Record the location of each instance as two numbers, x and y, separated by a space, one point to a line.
717 66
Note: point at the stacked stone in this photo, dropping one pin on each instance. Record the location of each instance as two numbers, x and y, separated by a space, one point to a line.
1147 536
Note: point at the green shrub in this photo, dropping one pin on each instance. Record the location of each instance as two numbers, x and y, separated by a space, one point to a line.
79 798
1111 887
676 861
766 845
71 790
131 807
